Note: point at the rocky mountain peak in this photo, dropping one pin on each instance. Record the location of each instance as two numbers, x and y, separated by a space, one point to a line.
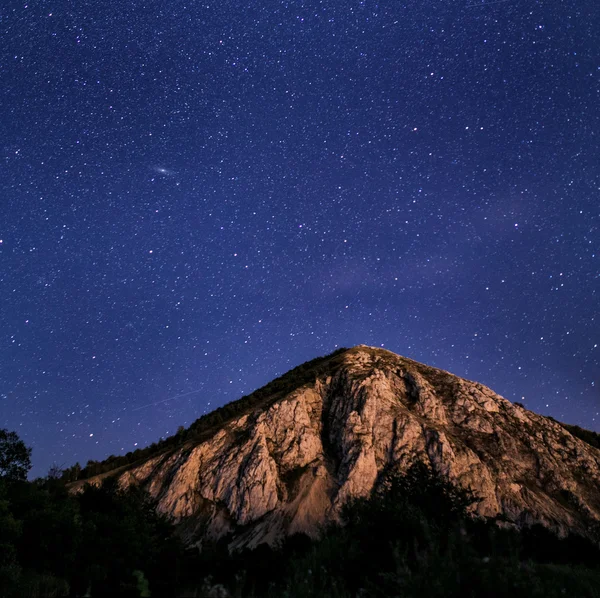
292 456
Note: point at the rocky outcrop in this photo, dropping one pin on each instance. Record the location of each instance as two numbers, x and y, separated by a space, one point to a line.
290 467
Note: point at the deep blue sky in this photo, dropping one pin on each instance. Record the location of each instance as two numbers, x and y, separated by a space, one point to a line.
195 197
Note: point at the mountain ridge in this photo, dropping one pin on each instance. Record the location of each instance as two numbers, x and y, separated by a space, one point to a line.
289 459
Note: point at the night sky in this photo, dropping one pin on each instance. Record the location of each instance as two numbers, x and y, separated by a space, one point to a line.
197 196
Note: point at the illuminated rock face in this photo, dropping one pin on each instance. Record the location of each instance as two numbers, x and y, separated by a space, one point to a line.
290 467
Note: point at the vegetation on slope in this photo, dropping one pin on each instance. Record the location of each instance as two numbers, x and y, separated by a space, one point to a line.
592 438
207 424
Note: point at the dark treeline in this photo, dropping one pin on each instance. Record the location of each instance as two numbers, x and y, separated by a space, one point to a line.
592 438
102 542
413 537
207 424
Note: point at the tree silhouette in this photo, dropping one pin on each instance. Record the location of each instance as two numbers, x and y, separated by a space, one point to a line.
15 457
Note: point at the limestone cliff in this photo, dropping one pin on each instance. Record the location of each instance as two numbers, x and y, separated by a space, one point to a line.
290 465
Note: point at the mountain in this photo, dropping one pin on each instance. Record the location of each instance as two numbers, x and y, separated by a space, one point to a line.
287 458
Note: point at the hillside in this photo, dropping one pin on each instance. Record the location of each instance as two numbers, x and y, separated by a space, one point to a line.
287 458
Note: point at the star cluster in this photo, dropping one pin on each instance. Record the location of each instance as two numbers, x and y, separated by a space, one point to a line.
196 197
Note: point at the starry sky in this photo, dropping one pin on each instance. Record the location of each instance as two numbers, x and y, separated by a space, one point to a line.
197 196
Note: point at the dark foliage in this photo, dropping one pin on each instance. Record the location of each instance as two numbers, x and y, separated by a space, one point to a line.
592 438
15 457
122 534
207 424
102 542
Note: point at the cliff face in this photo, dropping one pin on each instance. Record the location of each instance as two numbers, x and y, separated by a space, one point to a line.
290 466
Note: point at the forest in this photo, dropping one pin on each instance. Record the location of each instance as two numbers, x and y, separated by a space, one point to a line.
413 537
